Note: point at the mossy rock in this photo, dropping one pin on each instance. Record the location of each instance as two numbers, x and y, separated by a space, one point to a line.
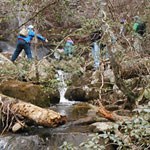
80 109
29 92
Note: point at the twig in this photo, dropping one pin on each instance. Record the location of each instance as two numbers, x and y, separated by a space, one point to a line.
33 16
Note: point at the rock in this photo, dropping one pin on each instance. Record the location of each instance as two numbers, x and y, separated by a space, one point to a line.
13 142
81 94
45 71
112 107
45 140
6 47
95 77
7 68
29 92
110 75
81 108
75 94
17 126
92 94
101 126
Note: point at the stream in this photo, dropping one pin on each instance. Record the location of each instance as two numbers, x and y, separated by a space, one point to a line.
41 138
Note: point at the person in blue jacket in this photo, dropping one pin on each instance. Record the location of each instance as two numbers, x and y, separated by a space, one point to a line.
24 42
68 48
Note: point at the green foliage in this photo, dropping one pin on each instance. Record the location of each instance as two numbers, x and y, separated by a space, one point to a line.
137 131
67 146
132 133
50 84
92 143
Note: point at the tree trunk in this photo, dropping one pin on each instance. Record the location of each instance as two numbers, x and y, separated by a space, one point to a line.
102 112
40 116
131 97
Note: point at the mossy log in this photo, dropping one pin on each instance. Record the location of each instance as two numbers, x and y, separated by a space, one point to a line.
40 116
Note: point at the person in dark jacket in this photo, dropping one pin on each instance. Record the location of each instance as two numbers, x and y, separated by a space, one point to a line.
24 42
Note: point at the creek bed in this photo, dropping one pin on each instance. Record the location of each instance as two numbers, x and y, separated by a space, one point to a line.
41 138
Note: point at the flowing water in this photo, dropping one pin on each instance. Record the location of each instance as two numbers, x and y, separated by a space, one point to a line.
40 138
62 86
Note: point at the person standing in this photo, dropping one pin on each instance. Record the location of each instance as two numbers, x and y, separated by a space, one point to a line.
139 28
24 42
68 48
122 27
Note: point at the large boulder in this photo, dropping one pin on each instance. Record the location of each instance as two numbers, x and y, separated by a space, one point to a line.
86 86
44 69
7 68
29 92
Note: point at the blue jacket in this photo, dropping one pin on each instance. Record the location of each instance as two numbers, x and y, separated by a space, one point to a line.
31 35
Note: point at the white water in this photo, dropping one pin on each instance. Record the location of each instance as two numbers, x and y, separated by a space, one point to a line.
62 86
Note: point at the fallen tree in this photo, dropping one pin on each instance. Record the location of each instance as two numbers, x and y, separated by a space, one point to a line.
16 111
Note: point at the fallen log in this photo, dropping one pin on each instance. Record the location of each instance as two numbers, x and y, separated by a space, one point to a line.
112 116
40 116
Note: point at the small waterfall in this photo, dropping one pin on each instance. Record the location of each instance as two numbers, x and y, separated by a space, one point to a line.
62 86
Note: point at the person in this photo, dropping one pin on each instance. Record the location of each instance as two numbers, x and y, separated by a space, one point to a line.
139 26
122 27
68 48
24 42
95 37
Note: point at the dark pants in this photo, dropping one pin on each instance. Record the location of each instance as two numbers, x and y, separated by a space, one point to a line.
20 46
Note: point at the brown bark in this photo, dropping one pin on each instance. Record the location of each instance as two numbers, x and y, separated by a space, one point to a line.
109 115
41 116
102 112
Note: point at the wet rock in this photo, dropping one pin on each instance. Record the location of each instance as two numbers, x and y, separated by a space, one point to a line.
29 92
75 94
80 109
101 126
82 94
112 107
21 142
43 141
